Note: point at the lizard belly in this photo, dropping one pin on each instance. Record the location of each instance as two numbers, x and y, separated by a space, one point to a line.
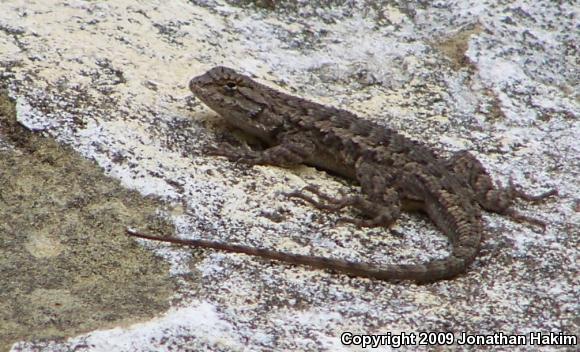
328 162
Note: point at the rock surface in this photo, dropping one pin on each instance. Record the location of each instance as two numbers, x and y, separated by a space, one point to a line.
107 82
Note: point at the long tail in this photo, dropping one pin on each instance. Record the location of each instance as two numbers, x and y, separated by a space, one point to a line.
421 273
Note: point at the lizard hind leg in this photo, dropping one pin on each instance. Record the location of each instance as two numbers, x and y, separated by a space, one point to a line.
492 198
378 215
513 191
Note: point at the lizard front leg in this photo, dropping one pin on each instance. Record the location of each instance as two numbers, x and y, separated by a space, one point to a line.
492 198
293 149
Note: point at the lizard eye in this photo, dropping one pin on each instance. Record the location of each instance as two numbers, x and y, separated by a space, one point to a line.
231 87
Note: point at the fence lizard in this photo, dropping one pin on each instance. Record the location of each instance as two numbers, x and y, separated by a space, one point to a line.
393 171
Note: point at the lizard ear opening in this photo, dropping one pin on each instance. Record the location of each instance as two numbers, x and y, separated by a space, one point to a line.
256 113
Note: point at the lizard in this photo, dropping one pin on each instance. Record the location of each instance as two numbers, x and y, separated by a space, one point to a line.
394 173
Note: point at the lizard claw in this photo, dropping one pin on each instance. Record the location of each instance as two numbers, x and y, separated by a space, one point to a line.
516 192
519 217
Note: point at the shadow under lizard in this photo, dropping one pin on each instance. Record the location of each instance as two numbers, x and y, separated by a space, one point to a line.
394 173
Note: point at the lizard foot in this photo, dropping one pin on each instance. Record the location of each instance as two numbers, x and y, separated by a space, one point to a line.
514 190
379 215
333 203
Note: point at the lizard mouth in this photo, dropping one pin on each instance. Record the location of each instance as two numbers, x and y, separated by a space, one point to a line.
195 86
198 90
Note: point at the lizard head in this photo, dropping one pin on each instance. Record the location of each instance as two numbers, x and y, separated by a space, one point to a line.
241 101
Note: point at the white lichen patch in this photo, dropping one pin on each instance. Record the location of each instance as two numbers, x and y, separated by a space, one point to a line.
195 326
